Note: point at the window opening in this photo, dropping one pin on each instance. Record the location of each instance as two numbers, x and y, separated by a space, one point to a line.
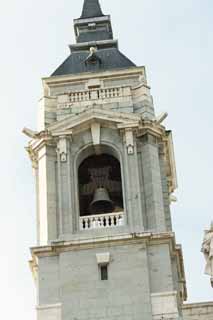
104 272
100 187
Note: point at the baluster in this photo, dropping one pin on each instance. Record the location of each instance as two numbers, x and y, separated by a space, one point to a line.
121 220
100 222
93 223
104 222
110 221
115 220
83 224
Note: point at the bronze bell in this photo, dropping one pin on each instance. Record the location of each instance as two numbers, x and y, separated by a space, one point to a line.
101 202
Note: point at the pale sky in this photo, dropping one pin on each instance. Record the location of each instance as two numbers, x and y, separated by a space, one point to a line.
173 39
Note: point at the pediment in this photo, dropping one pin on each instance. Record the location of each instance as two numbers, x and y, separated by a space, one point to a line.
84 120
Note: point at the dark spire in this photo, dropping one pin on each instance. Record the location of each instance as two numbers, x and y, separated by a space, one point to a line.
95 49
91 9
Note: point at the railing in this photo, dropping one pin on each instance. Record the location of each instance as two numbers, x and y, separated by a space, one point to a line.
110 220
95 94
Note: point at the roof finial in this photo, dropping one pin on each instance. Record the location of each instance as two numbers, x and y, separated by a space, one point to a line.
91 9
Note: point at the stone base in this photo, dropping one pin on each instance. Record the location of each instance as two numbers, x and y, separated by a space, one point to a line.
49 312
164 305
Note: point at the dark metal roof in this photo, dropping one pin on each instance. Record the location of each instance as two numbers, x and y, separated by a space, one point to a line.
94 36
91 9
110 58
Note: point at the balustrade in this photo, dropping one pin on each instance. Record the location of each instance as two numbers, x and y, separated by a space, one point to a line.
98 93
102 221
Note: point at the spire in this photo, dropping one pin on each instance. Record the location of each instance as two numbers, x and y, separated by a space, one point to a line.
95 49
91 9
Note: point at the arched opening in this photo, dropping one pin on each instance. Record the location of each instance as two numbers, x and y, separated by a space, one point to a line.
100 185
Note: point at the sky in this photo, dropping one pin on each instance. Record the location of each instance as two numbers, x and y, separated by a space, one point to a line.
173 39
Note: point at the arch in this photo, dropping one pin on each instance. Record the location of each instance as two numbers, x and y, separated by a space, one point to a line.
99 168
90 150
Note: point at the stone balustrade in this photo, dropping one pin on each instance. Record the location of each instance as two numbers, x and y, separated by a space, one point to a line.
110 220
68 100
95 94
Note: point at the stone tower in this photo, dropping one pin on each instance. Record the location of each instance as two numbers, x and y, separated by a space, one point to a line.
105 171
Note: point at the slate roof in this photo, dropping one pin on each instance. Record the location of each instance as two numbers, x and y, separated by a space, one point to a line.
91 9
108 56
94 36
111 58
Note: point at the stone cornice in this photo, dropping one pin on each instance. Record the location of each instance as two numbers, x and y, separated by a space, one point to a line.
91 75
110 119
144 238
57 247
198 305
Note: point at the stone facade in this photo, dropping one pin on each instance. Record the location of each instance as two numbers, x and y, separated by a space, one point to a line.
198 311
95 113
69 284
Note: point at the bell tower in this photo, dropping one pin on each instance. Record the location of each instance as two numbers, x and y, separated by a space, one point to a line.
105 172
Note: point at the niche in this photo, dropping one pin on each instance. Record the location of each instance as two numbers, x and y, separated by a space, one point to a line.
100 185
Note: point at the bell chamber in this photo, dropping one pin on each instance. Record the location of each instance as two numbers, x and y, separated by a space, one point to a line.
100 185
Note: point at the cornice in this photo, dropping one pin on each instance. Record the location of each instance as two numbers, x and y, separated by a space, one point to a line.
143 238
58 247
55 80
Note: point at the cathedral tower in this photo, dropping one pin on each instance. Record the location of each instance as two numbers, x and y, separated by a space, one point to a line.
105 172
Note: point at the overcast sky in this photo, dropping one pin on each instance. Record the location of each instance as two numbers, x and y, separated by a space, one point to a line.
173 39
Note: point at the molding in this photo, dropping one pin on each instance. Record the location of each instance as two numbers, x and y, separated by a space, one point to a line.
103 258
49 306
62 80
145 238
94 112
197 305
93 119
57 247
164 294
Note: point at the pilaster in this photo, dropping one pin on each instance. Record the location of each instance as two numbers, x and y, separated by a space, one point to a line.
152 184
133 201
64 185
47 206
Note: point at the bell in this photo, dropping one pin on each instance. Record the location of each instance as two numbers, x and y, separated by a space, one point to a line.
101 202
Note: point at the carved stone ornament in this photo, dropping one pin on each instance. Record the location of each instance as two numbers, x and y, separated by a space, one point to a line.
129 141
33 157
207 249
62 149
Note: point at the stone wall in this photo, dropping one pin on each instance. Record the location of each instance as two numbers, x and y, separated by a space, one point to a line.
198 311
84 296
